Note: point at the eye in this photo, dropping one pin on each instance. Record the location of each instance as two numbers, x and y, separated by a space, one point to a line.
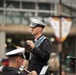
33 27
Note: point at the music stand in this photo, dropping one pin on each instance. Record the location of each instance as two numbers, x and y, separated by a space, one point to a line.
44 70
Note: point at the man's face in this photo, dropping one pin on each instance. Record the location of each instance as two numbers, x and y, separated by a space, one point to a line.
36 30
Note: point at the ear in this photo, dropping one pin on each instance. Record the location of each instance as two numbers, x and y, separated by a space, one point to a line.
20 60
17 59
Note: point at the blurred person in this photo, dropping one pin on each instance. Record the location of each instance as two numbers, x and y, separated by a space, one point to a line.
16 58
4 61
40 49
63 72
54 64
25 63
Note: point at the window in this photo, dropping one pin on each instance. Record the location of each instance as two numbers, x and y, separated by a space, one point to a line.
52 6
13 17
12 4
16 17
1 16
26 17
1 3
28 5
44 6
45 14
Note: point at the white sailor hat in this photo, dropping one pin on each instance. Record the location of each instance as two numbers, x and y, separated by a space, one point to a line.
16 52
35 23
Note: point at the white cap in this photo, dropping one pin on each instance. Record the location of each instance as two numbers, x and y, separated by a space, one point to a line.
16 52
35 22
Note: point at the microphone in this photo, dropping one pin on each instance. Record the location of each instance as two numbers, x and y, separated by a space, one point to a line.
71 57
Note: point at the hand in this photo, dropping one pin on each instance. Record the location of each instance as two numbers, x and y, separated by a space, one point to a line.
30 43
33 73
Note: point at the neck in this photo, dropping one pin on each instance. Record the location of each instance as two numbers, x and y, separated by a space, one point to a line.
14 64
37 36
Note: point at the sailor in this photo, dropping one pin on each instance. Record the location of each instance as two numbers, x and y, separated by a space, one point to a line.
40 49
15 57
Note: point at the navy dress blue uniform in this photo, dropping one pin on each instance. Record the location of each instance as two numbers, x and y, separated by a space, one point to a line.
11 71
41 54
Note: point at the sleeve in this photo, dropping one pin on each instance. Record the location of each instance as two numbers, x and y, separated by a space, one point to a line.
43 51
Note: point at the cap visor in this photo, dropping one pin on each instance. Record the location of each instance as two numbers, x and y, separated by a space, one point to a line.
16 51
